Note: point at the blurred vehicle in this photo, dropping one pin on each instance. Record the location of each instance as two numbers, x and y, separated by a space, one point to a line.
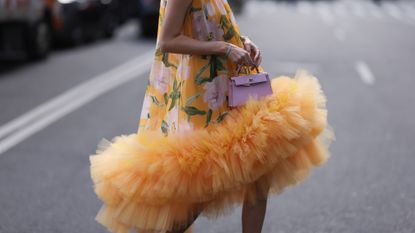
28 27
124 10
148 13
25 27
93 17
76 21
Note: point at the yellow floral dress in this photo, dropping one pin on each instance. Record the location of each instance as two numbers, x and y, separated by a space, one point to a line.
191 151
185 92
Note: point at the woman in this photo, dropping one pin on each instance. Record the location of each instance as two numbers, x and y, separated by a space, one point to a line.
192 153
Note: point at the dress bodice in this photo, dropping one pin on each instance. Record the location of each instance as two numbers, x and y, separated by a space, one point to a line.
185 91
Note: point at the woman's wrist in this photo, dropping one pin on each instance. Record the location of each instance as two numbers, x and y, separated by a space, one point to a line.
222 48
228 50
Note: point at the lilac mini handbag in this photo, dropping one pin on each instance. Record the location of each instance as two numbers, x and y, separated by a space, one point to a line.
242 87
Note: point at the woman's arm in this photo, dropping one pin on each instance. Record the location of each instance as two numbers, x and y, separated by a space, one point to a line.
171 40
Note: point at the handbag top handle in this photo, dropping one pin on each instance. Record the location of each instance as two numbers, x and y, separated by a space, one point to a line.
238 70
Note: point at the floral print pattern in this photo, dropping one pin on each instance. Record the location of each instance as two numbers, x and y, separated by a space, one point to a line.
211 29
215 92
186 92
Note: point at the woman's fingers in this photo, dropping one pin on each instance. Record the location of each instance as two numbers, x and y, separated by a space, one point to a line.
259 60
241 56
248 47
240 60
248 60
254 52
257 56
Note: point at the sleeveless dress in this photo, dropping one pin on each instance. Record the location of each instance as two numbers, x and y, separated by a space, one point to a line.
187 92
192 151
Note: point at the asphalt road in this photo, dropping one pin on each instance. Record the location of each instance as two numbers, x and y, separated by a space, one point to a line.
363 54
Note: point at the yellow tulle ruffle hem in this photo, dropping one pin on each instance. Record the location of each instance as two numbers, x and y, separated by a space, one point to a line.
151 182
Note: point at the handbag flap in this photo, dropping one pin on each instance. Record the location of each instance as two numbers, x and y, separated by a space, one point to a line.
250 79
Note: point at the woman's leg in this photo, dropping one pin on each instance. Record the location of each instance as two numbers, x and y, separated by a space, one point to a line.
253 214
183 229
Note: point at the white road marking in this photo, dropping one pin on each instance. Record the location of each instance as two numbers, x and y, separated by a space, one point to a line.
39 118
365 73
59 100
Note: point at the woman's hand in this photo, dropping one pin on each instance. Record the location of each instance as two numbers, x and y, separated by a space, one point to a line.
238 55
253 51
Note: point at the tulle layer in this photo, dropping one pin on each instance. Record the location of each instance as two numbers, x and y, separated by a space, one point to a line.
151 182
